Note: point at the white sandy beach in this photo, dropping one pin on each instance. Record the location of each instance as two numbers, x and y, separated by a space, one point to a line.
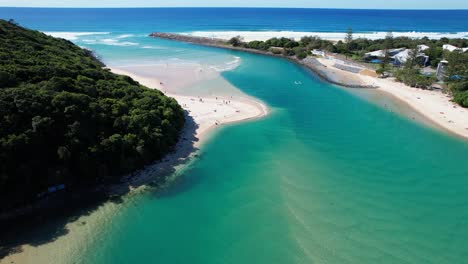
333 36
433 105
208 112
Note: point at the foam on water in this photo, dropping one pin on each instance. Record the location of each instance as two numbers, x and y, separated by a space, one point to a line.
265 35
95 38
228 66
116 42
74 35
152 47
125 36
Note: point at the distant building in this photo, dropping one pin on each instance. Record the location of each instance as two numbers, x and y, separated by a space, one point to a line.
402 57
442 70
452 48
423 47
381 53
399 56
318 52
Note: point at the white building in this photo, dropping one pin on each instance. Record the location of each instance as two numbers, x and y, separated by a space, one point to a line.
318 52
403 56
423 47
452 48
381 53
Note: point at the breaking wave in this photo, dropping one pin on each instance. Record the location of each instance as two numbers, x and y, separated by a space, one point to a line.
227 66
74 35
153 47
264 35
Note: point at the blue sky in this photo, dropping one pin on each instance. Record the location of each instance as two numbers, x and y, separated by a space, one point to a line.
394 4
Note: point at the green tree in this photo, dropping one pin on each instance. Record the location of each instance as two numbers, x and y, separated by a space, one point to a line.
348 41
66 120
412 60
388 45
235 41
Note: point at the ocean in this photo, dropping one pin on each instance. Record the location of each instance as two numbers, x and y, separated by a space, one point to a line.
330 176
242 19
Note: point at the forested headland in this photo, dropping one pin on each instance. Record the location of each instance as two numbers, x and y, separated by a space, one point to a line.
68 123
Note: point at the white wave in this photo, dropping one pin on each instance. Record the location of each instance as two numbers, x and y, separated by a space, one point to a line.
89 41
125 36
228 66
265 35
153 47
74 35
170 62
116 42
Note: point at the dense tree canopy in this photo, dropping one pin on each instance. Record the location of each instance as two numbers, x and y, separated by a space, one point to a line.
66 120
458 76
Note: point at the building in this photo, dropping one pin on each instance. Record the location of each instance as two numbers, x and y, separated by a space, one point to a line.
381 53
452 48
423 47
441 73
402 57
317 52
399 56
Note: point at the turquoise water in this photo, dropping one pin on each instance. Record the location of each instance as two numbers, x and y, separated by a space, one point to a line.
326 178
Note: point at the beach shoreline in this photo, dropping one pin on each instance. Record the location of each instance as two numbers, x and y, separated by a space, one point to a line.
436 106
203 116
433 105
331 36
201 121
310 63
208 112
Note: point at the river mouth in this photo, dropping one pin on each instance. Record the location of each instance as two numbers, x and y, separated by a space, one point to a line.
326 169
328 176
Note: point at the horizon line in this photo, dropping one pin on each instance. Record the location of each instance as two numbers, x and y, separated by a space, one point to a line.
244 7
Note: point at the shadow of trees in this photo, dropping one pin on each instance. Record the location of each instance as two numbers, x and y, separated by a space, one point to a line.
46 220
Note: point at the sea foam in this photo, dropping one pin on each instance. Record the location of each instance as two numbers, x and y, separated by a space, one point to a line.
264 35
74 35
227 66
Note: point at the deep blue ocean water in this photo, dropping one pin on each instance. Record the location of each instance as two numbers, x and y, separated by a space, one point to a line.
244 19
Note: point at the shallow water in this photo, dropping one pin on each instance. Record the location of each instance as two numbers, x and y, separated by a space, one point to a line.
327 178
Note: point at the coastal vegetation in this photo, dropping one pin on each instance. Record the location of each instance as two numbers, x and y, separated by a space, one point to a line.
458 82
66 122
356 49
